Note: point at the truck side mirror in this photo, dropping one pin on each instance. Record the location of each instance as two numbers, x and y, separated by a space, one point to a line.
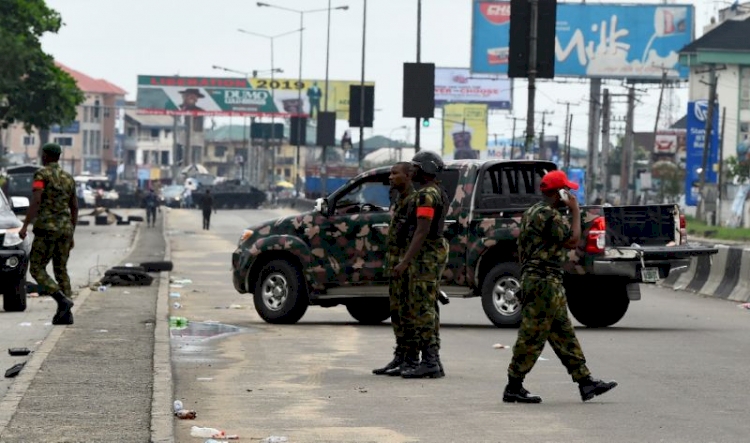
321 206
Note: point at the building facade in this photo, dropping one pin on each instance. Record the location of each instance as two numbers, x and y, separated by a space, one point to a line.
90 142
148 146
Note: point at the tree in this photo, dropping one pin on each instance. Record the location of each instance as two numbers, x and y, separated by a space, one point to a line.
671 180
738 170
32 89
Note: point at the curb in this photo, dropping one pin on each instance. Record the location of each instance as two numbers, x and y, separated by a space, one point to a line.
162 420
17 390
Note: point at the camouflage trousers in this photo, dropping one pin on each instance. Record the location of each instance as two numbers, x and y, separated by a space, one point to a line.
398 288
544 317
425 271
51 246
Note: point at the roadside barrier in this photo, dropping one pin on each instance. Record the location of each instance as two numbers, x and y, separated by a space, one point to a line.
724 275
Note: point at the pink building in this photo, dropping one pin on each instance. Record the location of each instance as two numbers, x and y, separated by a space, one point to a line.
89 143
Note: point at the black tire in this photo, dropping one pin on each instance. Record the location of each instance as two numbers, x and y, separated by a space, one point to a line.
14 296
596 308
371 311
501 295
280 295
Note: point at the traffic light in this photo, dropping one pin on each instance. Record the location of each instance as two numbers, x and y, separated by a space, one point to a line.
426 123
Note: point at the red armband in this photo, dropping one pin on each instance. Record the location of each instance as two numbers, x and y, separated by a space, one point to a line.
38 184
425 212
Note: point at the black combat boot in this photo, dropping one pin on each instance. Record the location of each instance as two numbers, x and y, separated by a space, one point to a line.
439 363
428 368
395 364
515 393
411 363
591 387
63 316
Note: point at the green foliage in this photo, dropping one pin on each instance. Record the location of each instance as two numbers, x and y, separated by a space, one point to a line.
737 169
32 89
671 180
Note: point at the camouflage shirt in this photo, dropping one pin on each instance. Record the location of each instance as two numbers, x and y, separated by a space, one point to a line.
58 187
398 230
544 230
429 201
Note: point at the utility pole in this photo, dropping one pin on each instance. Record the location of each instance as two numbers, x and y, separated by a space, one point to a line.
721 162
528 145
567 143
513 139
606 113
595 88
568 119
712 83
323 173
362 91
626 167
541 155
661 98
419 60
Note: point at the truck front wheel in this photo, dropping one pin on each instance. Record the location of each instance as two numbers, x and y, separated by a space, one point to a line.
597 308
280 295
501 295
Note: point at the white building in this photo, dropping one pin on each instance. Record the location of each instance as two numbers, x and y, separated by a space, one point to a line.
149 141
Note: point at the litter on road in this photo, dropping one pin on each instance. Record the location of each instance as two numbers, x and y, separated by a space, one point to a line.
14 370
744 306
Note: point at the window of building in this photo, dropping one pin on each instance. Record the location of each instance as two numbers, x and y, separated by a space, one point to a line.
220 151
198 124
106 144
745 88
165 158
29 140
64 141
96 110
85 142
85 114
287 172
167 133
105 110
131 132
98 142
154 133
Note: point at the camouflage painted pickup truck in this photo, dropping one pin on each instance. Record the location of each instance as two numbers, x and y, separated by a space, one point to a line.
334 254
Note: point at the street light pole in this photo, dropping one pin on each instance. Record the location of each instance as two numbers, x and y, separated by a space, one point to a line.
323 172
300 109
419 60
362 91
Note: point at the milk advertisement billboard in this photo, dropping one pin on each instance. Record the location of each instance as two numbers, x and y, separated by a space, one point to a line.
615 41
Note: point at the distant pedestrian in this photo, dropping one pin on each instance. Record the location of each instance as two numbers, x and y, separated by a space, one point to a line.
151 203
53 212
207 205
543 246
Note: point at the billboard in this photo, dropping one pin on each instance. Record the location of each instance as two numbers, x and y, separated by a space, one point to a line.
669 141
593 40
696 137
456 85
224 96
464 131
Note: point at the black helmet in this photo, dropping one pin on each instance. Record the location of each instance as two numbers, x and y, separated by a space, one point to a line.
428 161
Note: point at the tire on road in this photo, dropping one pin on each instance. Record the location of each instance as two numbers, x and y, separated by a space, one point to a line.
501 295
280 294
14 296
371 311
597 308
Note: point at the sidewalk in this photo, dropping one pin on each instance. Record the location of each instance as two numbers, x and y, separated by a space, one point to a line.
95 378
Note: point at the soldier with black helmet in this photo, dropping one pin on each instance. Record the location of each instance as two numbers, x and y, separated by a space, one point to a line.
424 260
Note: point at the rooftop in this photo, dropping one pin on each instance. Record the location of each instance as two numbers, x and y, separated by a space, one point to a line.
90 84
150 121
730 35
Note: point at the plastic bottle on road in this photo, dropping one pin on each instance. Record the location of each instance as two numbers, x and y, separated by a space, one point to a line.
197 431
177 406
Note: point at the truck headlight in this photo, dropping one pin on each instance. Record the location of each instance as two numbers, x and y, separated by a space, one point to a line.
12 238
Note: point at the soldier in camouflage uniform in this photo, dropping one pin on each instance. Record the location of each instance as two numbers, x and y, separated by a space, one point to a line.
545 238
424 261
53 212
398 237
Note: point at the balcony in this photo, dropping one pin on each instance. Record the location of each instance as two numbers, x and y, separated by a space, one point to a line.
148 143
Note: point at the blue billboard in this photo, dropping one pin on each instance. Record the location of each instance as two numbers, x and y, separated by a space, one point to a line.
592 40
696 137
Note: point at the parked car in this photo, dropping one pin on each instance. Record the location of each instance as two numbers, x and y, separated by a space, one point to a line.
335 253
14 253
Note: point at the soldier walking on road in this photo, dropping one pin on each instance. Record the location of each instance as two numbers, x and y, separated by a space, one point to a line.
151 203
53 212
398 238
542 249
207 205
424 262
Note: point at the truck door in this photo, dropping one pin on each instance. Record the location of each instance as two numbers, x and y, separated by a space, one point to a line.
354 234
455 226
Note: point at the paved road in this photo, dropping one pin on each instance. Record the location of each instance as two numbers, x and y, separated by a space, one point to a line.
681 361
97 248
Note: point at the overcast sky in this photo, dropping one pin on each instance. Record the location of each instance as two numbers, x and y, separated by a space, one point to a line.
118 40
